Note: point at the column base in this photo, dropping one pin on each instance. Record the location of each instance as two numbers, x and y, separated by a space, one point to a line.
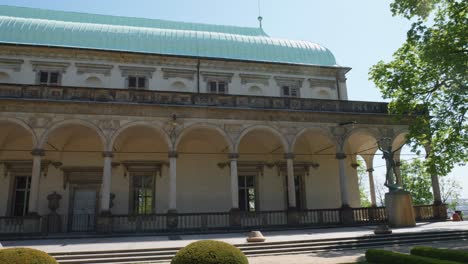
172 220
32 223
400 210
235 217
104 222
347 216
293 216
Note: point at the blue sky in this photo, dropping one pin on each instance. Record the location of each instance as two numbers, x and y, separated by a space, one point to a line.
359 33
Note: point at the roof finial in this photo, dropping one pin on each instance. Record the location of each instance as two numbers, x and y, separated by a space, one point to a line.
260 18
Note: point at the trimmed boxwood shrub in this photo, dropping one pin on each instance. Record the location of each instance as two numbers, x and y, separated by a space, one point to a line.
209 252
25 256
389 257
444 254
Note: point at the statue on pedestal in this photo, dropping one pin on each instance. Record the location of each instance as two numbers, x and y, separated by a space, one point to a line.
385 146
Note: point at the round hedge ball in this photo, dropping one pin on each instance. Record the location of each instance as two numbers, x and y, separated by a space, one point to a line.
25 255
209 252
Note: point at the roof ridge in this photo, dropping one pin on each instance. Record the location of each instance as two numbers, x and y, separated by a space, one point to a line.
83 17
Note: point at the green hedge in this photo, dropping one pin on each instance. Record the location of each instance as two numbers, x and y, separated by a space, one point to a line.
444 254
388 257
25 256
210 252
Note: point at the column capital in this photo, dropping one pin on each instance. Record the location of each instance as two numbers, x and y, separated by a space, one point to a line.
370 170
289 155
340 156
233 156
172 154
108 154
38 152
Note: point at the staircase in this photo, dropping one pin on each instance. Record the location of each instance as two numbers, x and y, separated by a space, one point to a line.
263 249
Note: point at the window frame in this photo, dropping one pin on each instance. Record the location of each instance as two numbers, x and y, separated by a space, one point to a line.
49 77
217 83
254 188
27 191
137 82
291 90
133 203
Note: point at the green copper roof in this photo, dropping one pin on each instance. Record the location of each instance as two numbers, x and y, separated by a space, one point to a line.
30 26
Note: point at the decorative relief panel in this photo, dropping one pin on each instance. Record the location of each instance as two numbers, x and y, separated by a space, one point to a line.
11 64
83 68
178 73
322 83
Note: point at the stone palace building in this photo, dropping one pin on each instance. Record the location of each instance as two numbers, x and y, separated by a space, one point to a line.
108 119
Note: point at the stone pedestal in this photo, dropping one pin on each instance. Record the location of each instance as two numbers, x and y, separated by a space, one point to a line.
347 216
235 216
293 216
172 220
104 222
400 210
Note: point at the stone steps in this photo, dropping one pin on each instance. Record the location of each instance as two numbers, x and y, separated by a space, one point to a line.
262 249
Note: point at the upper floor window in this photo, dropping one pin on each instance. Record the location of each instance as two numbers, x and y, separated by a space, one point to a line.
137 82
288 91
49 78
219 87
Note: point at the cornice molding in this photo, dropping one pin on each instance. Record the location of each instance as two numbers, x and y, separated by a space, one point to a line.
82 68
50 66
169 73
136 70
11 64
254 78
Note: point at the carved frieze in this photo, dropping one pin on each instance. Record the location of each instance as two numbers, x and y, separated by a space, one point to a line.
109 124
225 76
82 68
289 81
39 121
254 78
178 73
138 71
11 64
50 66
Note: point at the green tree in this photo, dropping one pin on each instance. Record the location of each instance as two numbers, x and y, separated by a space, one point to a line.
450 192
417 181
430 73
362 175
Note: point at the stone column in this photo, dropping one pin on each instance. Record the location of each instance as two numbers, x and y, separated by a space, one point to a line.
106 182
370 171
173 181
172 218
33 206
291 184
234 180
235 214
343 180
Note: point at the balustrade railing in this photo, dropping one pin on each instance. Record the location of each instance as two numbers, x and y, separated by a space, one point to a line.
423 212
266 218
320 217
197 222
67 93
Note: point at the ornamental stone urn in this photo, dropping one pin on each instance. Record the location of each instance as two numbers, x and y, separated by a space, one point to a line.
54 201
54 221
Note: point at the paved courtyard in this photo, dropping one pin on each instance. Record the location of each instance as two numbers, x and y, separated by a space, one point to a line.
144 242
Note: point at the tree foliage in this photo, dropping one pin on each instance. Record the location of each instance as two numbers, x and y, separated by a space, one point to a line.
417 181
430 73
362 175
